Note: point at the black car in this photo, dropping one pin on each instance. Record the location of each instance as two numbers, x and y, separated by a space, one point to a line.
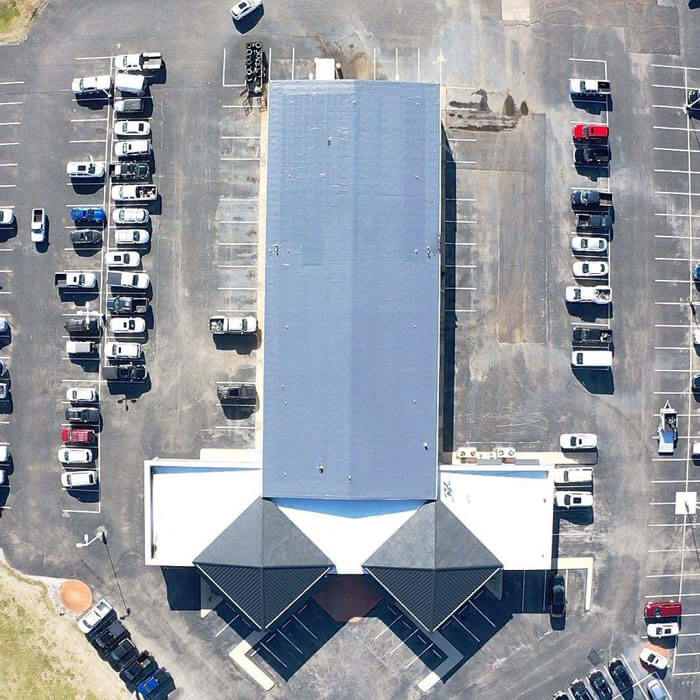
600 685
107 620
561 695
124 653
85 236
592 155
130 171
76 414
693 104
619 674
157 686
236 393
143 666
108 638
579 691
84 324
124 373
557 607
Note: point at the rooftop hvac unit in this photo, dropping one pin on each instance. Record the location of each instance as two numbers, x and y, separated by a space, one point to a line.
505 453
465 453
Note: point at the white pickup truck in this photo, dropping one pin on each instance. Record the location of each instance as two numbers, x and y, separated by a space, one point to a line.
150 61
600 294
134 193
75 280
581 89
219 325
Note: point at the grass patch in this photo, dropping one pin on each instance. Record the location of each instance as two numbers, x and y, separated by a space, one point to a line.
44 655
9 12
16 18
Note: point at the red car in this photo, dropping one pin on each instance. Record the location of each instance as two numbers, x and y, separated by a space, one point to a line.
663 608
591 132
78 435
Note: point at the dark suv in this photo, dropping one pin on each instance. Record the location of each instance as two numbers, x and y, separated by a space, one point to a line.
84 324
557 608
82 415
108 638
236 393
124 373
143 666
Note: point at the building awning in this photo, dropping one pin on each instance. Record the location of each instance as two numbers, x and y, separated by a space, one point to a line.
432 565
263 563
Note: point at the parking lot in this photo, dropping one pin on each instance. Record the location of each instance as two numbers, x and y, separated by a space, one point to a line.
674 570
507 225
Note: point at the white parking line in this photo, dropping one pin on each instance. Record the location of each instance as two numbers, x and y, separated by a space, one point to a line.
677 128
304 626
7 104
10 123
458 621
482 614
92 58
91 119
8 165
87 141
10 143
387 627
13 82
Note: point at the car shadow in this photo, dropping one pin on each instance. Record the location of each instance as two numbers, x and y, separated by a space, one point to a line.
592 106
242 344
85 494
596 381
129 391
87 186
7 232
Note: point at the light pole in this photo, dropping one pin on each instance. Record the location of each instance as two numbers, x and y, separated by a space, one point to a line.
100 534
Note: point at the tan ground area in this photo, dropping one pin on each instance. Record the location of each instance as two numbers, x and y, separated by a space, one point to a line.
16 17
43 654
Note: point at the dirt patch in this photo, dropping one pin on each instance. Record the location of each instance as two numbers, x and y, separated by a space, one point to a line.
42 652
16 18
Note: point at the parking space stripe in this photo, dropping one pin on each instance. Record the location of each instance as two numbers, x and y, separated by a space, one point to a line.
13 82
458 621
7 104
10 123
10 143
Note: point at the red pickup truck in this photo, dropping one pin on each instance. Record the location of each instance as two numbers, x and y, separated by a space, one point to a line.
591 132
78 435
663 608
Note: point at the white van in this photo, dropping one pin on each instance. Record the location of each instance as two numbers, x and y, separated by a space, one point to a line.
80 347
595 359
123 351
133 84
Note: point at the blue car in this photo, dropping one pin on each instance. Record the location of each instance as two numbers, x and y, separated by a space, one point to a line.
159 685
696 273
88 215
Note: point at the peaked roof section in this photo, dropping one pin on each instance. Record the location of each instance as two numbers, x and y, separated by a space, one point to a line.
432 565
263 563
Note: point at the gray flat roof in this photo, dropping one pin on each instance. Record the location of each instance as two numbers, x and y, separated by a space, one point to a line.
352 290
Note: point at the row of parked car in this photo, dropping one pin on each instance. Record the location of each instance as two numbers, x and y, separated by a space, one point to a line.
591 347
663 621
110 638
124 360
5 454
130 182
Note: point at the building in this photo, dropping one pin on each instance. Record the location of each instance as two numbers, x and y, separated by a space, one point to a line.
347 479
